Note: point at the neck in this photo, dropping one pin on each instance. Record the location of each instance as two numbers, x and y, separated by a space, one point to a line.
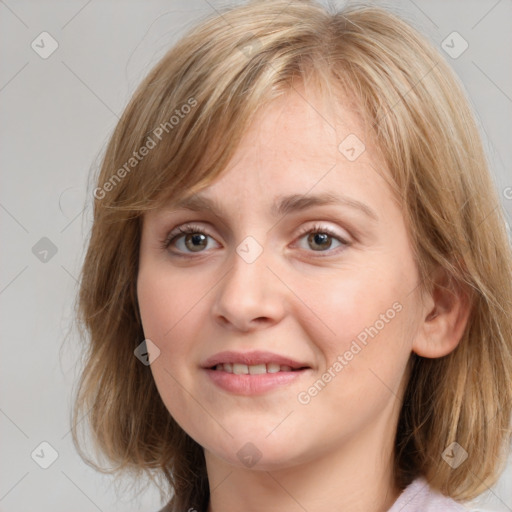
357 477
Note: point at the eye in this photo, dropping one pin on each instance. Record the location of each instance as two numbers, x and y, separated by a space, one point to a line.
320 238
188 238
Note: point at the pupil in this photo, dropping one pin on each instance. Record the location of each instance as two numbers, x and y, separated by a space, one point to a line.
196 238
320 239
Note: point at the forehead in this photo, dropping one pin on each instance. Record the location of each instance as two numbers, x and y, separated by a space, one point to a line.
301 150
303 143
304 122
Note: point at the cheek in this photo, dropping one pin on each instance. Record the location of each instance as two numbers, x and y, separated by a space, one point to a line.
166 299
172 307
164 314
363 353
350 304
363 326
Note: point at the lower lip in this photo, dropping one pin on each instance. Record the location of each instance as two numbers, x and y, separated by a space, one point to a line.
253 384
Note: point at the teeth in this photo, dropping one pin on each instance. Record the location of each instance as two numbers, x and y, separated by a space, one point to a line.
273 368
239 369
253 369
257 369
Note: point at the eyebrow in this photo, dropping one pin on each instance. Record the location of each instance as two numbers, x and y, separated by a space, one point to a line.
283 206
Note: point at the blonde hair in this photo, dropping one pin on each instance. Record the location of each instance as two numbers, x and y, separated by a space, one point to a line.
226 70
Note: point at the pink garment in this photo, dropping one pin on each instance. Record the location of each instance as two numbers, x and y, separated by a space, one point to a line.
419 497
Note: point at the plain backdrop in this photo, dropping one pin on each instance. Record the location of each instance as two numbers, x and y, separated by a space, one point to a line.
57 113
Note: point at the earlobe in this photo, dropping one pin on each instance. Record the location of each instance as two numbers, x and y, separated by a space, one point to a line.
444 318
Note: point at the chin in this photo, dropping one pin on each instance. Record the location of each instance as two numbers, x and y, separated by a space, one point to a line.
259 453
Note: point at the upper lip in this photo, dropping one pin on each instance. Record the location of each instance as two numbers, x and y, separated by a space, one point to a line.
251 358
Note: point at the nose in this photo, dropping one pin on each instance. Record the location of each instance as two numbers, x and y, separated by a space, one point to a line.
249 296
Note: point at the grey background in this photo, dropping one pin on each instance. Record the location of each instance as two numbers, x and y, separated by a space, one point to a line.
57 114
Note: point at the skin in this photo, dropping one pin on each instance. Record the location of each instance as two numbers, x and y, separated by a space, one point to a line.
297 301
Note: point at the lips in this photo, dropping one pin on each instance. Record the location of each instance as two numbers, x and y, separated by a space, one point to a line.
252 363
253 373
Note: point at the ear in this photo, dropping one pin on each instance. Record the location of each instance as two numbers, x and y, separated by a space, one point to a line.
444 316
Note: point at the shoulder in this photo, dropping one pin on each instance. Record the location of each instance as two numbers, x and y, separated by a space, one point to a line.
419 497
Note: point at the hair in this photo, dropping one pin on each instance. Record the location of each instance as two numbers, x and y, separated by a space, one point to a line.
204 94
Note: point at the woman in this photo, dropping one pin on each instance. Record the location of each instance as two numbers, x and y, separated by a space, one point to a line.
298 287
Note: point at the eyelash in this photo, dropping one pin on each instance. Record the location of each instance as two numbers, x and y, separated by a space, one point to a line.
193 229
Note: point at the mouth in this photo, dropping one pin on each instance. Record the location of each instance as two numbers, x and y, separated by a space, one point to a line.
253 373
255 369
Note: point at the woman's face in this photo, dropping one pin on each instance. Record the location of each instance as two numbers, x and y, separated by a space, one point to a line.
260 292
